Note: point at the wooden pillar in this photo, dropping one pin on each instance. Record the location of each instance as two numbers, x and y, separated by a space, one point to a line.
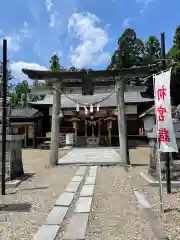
99 128
75 132
34 130
92 128
55 126
109 126
122 120
85 128
25 138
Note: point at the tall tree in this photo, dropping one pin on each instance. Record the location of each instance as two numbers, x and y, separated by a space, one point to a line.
55 63
130 51
174 54
152 50
22 89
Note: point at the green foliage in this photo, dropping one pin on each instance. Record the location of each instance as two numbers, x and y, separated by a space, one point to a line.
54 63
14 99
130 50
152 50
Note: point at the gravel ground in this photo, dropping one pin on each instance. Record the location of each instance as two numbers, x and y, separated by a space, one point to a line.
115 214
35 196
171 217
138 155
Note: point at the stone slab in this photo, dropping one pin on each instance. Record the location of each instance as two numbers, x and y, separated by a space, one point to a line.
83 168
56 216
142 201
80 172
77 227
46 232
87 191
90 181
65 199
13 183
83 205
92 173
77 179
93 169
72 187
154 183
94 156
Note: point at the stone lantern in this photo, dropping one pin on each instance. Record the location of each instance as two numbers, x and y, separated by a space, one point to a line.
109 127
75 121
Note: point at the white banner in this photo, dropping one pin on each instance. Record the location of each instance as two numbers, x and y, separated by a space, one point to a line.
165 128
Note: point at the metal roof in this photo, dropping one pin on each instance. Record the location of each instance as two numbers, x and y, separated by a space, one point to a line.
23 112
66 102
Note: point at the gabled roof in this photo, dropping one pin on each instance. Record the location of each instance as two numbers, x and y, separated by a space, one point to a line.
24 113
67 101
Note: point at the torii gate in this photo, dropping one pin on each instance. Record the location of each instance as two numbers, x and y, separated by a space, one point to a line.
61 79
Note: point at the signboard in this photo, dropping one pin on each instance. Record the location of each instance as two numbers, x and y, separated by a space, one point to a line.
30 132
165 128
92 141
69 139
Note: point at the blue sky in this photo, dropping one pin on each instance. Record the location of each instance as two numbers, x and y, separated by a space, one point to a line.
83 33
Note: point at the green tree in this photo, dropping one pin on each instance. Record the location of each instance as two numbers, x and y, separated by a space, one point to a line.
13 99
130 51
22 89
152 50
55 63
174 55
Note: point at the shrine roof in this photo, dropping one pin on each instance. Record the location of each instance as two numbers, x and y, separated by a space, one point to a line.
130 97
24 113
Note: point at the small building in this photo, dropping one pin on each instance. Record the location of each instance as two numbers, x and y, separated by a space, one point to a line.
149 120
28 121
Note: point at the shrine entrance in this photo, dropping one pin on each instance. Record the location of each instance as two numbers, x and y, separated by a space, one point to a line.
87 80
93 127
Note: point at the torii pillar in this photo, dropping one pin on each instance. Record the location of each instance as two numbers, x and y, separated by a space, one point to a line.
55 125
122 126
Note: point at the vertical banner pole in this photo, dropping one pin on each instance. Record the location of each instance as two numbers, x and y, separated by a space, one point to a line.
167 154
3 159
159 166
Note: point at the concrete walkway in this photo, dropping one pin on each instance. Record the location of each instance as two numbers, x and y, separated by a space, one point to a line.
91 156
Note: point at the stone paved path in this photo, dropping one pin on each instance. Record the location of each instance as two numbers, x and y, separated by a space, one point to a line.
101 203
97 156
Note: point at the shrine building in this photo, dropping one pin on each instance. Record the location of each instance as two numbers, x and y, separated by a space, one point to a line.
96 120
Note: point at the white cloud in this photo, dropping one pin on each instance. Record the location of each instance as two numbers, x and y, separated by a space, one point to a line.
92 39
52 19
49 5
126 22
145 4
15 40
16 69
13 43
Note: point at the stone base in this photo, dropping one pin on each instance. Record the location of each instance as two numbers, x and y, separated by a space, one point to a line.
14 165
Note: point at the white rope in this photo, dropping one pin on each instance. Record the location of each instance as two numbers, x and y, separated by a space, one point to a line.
86 104
103 99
